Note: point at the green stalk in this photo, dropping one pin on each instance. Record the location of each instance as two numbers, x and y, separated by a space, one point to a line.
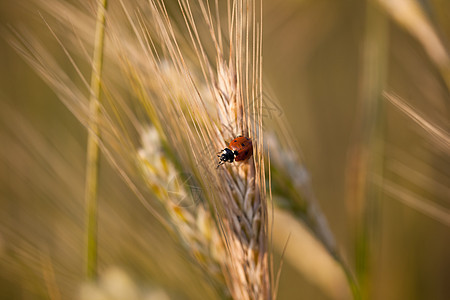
370 144
352 283
92 164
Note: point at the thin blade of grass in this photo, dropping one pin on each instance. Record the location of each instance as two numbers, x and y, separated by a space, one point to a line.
92 164
366 155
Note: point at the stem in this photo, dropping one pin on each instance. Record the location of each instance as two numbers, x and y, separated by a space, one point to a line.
351 280
368 152
92 164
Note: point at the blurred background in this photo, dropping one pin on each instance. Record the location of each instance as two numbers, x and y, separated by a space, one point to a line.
339 72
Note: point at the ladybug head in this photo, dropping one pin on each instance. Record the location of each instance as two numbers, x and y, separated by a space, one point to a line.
226 156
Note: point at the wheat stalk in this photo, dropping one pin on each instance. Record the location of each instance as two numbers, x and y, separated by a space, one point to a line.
239 200
192 223
193 121
240 208
92 164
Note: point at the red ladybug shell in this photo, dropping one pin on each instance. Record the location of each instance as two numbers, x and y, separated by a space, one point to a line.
243 145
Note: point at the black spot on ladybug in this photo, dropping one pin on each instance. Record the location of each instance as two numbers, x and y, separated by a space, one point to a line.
235 141
242 144
245 153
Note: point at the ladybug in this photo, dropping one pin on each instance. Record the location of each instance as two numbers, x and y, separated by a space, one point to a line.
239 149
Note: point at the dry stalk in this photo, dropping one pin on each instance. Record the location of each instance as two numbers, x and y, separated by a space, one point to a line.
292 191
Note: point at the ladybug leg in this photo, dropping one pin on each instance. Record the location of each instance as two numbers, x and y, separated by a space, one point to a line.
221 151
219 154
220 163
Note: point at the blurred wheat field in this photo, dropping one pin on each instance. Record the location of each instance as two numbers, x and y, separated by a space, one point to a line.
355 114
